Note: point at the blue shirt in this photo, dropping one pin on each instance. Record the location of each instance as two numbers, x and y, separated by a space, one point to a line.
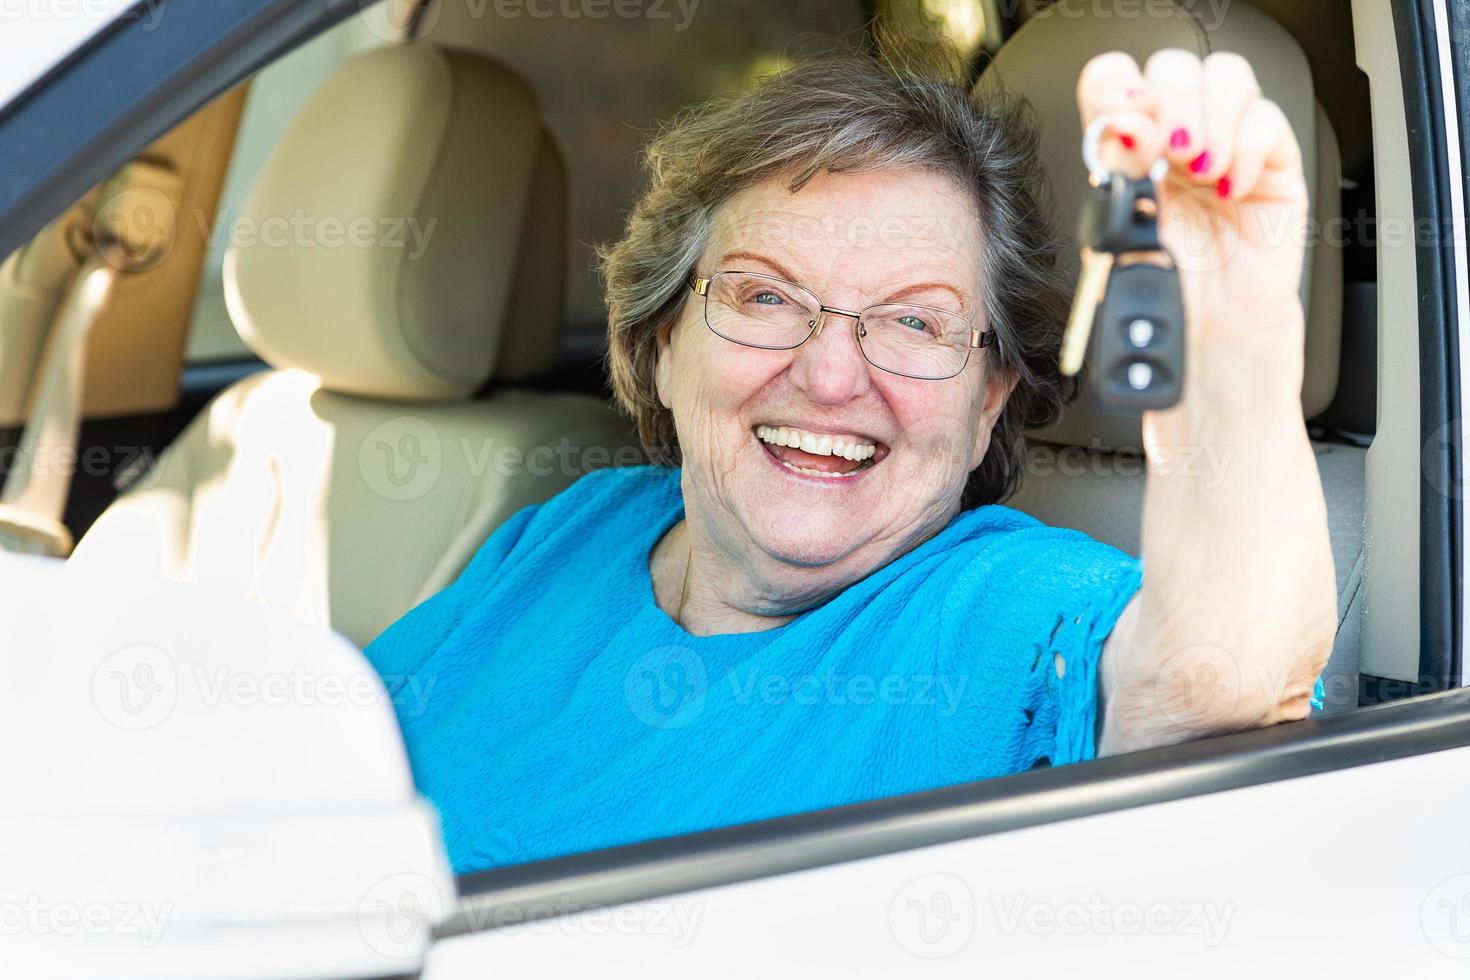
557 709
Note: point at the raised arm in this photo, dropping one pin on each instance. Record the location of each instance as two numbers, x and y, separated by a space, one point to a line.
1238 608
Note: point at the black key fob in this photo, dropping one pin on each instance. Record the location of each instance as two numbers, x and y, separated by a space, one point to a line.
1136 361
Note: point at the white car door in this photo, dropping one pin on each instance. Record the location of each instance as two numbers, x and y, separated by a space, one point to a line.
1273 878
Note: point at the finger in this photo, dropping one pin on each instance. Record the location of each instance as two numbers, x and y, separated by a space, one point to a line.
1111 84
1265 147
1229 90
1176 77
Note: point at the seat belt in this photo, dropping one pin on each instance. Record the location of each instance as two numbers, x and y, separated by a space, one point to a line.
133 231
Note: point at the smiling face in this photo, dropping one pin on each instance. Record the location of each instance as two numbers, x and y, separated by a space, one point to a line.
758 428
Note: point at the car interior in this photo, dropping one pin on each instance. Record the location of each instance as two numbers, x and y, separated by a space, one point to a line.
336 428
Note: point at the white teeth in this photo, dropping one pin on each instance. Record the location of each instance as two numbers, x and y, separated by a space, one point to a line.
808 472
817 445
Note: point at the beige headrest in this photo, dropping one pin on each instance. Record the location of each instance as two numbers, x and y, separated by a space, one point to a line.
1042 62
385 244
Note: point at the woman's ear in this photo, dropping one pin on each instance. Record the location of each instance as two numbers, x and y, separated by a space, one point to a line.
998 387
663 367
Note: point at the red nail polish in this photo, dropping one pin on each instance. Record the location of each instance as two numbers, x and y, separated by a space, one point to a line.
1179 138
1200 163
1223 187
1126 140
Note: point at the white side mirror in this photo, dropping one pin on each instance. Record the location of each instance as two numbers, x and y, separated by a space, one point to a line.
198 787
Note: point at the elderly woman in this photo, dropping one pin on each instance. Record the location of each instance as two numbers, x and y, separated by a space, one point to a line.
833 314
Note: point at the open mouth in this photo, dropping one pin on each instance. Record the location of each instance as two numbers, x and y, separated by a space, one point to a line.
829 456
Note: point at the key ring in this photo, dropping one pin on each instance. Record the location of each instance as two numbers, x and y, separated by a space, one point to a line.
1097 174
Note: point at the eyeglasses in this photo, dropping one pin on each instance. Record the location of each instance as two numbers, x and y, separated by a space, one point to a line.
919 342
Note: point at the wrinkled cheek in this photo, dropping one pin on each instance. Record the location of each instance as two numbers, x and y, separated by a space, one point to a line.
703 424
937 473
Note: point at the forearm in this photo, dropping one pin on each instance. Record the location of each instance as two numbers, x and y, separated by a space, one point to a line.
1237 611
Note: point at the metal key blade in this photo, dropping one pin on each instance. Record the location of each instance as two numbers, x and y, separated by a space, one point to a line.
1091 284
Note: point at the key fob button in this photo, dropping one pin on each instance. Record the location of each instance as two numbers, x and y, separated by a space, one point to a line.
1140 376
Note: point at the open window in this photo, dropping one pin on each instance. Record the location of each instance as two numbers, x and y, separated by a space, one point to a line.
1376 93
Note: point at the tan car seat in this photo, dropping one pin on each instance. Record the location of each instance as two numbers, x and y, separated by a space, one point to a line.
401 249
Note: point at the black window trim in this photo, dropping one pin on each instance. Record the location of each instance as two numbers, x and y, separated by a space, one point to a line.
1440 656
1456 14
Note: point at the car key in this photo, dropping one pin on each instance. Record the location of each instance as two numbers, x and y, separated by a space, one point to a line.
1128 314
1103 224
1137 348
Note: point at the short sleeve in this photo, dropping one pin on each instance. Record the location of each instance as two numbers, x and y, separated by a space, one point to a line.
1026 625
1079 643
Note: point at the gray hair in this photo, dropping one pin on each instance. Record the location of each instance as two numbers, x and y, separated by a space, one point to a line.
845 113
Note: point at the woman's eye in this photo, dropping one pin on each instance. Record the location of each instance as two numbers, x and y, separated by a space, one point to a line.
768 298
913 323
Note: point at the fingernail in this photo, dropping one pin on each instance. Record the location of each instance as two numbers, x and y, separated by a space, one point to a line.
1200 163
1223 187
1126 140
1179 138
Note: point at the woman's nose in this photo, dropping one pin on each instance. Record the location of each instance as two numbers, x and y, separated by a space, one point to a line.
829 368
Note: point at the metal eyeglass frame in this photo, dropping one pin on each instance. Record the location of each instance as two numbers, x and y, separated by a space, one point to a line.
978 338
